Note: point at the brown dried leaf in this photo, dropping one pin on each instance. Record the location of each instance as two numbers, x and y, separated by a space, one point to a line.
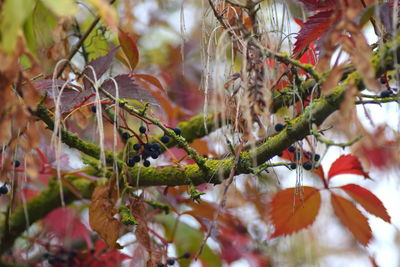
360 54
101 212
332 80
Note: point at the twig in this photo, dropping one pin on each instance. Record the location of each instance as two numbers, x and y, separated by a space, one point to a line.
223 200
328 142
178 139
80 42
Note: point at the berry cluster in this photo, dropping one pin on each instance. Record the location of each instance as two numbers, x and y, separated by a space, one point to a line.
143 150
3 189
307 165
63 257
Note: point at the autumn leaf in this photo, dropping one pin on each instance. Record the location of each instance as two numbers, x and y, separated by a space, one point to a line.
129 47
314 5
128 88
346 164
352 218
97 67
290 215
313 29
101 212
367 200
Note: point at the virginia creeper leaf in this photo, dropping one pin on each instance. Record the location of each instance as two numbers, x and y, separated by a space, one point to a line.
314 5
288 219
129 47
352 218
312 30
128 88
367 200
346 164
97 67
101 212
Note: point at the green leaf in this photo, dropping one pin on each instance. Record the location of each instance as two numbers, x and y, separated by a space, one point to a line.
188 239
13 16
62 8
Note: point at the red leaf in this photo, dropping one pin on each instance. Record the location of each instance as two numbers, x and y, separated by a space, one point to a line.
65 224
129 47
289 215
313 29
313 5
367 200
352 218
346 164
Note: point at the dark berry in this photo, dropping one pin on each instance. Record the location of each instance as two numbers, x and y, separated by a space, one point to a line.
291 149
136 158
136 147
130 162
280 154
386 93
154 154
186 255
165 139
142 129
170 261
147 146
146 163
156 146
297 155
317 157
126 135
292 165
279 127
160 265
382 80
177 131
307 165
17 163
93 108
3 189
46 255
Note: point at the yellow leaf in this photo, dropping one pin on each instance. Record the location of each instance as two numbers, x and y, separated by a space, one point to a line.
62 8
107 13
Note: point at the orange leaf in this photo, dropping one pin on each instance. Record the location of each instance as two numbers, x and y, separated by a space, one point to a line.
367 200
129 47
346 164
289 215
352 218
101 212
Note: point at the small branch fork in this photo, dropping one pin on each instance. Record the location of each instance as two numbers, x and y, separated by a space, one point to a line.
318 136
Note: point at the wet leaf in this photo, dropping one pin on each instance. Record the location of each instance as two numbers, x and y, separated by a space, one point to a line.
352 219
101 212
291 212
129 47
367 200
346 164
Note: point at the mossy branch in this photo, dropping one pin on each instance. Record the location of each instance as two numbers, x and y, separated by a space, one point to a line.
316 113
